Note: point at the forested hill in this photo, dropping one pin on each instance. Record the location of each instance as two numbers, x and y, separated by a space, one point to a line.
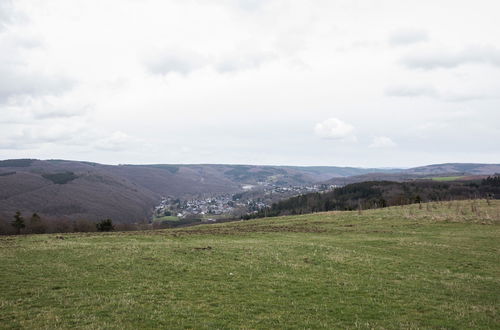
374 194
61 189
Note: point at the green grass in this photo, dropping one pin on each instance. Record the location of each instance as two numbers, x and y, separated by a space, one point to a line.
447 178
166 218
216 216
434 266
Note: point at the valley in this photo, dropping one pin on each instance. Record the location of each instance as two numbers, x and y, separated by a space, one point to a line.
61 190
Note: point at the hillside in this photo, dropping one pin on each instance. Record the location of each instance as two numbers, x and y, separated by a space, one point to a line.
422 172
127 193
72 190
321 173
375 194
392 268
461 168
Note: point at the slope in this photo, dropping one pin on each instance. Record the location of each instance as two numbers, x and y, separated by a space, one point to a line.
393 268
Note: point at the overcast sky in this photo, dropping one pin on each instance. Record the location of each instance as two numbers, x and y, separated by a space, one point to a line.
374 83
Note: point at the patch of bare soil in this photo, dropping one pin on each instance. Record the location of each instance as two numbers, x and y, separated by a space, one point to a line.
235 230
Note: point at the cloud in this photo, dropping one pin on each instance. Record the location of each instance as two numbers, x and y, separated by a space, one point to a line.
250 5
241 5
441 59
382 142
431 92
5 13
118 141
170 61
33 136
50 107
407 37
334 129
186 62
236 58
468 97
411 91
245 61
13 144
64 134
28 83
19 77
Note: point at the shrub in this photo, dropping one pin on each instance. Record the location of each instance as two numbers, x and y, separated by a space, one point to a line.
105 225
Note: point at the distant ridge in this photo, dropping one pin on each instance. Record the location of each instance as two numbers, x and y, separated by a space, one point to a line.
467 168
422 172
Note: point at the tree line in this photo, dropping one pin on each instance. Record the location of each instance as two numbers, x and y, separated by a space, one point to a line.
35 224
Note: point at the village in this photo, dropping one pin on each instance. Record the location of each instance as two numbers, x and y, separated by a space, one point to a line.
218 206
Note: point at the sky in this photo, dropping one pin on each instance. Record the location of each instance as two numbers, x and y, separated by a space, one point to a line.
368 83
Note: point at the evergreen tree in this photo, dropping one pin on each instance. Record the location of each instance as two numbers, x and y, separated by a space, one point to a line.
18 222
36 226
105 225
35 218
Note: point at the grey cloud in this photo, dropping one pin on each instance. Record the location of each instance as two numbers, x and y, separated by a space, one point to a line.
118 141
9 14
5 13
18 77
243 5
13 42
21 82
13 145
243 62
407 37
411 91
434 60
183 62
174 61
467 97
44 108
34 136
61 113
431 92
250 5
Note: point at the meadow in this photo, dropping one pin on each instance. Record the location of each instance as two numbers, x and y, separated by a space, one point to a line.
433 265
165 218
447 178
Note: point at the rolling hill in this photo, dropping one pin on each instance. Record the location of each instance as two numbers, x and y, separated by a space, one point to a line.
127 193
72 190
422 172
454 168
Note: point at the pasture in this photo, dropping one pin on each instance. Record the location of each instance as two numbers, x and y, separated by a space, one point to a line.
433 265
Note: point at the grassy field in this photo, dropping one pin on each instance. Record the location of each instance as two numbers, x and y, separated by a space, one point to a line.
435 265
166 218
448 178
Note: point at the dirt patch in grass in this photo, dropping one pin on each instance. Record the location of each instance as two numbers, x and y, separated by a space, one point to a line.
203 248
237 230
